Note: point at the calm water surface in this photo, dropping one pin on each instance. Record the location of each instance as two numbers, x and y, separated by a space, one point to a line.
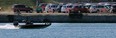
61 30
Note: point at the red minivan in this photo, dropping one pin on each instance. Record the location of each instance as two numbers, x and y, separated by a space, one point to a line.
75 9
20 7
79 8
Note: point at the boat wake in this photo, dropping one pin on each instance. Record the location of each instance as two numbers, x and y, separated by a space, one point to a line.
8 26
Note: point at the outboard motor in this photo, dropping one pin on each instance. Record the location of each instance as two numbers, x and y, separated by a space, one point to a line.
47 21
15 23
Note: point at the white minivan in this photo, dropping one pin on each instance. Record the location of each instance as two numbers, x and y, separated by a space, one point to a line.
51 8
93 9
66 8
63 9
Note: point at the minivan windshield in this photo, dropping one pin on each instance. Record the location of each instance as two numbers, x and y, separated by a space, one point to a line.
76 6
20 6
69 6
54 6
100 6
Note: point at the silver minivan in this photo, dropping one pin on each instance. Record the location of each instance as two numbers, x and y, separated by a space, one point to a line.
51 8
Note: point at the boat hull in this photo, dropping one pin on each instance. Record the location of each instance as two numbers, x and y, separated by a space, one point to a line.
34 26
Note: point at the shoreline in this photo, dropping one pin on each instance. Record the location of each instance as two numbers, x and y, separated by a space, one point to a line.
59 17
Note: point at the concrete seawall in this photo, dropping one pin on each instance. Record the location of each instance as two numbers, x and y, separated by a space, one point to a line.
61 18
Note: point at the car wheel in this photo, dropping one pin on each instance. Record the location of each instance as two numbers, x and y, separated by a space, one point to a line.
14 11
59 11
38 11
64 12
53 10
69 11
95 12
113 12
41 11
30 11
26 11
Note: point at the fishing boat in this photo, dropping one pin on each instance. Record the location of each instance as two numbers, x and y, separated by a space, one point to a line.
30 24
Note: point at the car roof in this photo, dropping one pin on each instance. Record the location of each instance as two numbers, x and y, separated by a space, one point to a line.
18 4
64 5
87 4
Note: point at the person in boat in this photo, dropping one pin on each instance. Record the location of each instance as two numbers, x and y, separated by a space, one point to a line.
28 22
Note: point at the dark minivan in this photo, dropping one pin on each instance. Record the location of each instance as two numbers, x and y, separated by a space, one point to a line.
21 7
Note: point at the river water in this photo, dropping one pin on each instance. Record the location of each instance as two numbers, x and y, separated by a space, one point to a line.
61 30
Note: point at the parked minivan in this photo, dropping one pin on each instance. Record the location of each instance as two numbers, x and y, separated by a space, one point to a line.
75 9
51 8
20 7
102 8
66 8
